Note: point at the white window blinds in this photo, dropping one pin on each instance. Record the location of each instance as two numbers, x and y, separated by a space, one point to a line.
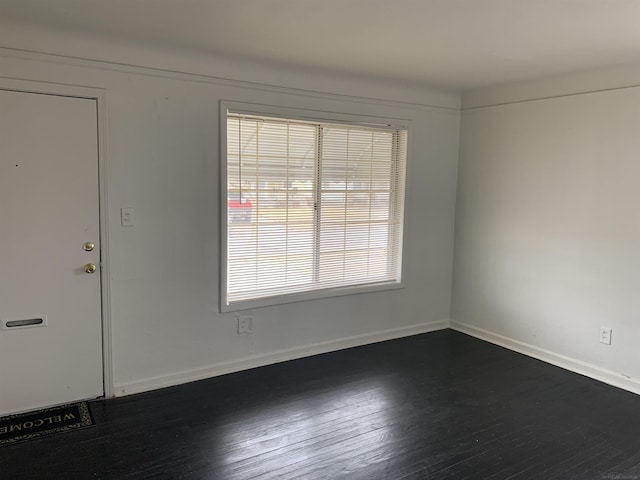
311 206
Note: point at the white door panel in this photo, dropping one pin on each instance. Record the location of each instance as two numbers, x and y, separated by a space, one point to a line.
48 210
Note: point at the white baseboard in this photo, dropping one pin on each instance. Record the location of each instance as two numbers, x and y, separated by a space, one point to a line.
583 368
246 363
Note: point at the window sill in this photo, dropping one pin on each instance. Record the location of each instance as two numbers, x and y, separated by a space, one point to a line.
307 296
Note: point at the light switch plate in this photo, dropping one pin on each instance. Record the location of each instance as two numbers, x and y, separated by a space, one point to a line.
126 217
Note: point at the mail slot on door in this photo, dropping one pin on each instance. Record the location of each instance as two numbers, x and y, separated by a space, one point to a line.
24 323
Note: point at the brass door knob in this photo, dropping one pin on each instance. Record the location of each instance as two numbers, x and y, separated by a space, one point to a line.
88 246
90 268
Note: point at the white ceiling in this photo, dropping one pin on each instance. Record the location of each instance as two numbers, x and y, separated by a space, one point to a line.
459 44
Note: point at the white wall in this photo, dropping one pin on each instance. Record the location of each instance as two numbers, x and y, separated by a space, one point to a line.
548 224
163 160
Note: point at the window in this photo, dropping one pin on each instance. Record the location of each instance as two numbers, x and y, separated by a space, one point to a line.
312 207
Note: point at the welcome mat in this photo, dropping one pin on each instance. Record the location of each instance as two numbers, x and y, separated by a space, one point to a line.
48 421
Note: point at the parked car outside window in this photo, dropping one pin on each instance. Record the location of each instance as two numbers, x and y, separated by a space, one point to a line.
240 207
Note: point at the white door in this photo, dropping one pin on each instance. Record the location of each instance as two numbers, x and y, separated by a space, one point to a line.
50 312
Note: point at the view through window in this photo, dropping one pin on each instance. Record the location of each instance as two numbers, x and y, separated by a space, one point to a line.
311 205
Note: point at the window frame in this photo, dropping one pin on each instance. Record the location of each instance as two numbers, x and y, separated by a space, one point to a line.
291 113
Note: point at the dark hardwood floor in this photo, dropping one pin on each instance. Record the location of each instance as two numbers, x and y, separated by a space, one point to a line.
436 406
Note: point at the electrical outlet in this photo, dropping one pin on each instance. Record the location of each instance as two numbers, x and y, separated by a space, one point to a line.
605 335
245 323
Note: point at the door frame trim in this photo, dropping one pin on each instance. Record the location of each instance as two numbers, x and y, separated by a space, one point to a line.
99 95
